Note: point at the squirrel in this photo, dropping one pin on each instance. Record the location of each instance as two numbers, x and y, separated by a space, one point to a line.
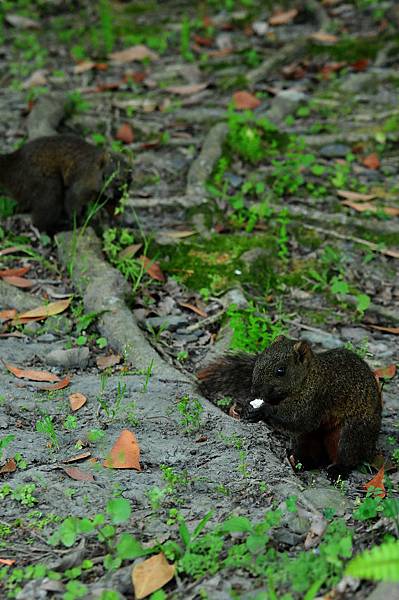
329 402
54 177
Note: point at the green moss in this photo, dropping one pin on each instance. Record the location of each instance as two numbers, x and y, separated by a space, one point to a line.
349 49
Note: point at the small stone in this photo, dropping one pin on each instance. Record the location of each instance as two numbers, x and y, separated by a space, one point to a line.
234 296
169 322
46 338
59 325
354 334
326 497
73 358
32 328
260 27
334 151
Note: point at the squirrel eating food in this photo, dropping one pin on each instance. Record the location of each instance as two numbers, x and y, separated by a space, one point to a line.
329 402
53 177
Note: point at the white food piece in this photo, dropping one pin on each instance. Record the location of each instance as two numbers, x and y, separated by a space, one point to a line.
257 403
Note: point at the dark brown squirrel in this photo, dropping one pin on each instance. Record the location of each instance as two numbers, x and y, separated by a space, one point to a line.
54 178
330 402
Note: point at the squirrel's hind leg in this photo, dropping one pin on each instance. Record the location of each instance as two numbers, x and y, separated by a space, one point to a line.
309 450
357 442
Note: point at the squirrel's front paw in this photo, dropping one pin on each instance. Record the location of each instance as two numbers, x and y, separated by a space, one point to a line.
253 411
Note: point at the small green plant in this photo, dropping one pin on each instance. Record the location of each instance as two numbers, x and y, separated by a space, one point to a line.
253 330
148 373
282 240
190 410
381 563
185 43
71 422
46 426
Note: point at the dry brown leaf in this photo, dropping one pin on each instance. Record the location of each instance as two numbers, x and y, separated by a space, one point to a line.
78 457
17 271
194 308
367 206
245 101
377 482
59 385
104 362
10 250
42 312
386 372
324 37
186 90
39 77
177 235
152 268
355 196
84 66
6 315
19 282
133 53
283 17
372 161
151 575
78 474
125 453
393 330
129 251
7 561
9 467
77 400
20 22
125 133
31 374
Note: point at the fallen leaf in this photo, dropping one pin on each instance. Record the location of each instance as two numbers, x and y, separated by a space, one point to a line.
31 374
377 482
324 37
331 67
84 66
245 101
77 400
78 457
17 271
234 413
194 308
392 211
129 251
42 312
283 17
152 268
104 362
133 53
11 250
7 561
393 330
37 78
19 282
151 575
125 453
125 133
6 315
9 467
17 334
203 41
78 474
59 385
360 65
372 161
355 196
186 90
386 372
20 22
177 235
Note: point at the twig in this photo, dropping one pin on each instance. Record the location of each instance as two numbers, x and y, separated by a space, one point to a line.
205 322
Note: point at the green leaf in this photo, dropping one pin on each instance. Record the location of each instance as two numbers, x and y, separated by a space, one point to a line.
381 563
339 286
129 548
363 302
119 510
236 525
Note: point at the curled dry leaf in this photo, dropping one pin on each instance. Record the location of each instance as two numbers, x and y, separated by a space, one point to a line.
194 308
386 372
77 400
104 362
125 453
283 17
392 211
20 22
152 268
39 77
84 66
59 385
151 575
392 330
180 234
11 250
377 482
9 467
78 457
355 196
7 561
125 133
129 251
186 90
17 271
245 101
7 314
42 312
372 161
324 37
19 282
31 374
133 53
78 474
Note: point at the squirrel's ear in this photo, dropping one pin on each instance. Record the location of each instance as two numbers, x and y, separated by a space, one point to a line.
303 351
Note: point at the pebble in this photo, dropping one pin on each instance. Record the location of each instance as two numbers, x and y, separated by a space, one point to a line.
46 338
169 322
73 358
334 151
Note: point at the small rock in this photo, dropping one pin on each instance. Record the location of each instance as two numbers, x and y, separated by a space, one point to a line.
169 322
59 325
260 27
334 151
250 256
383 591
46 338
73 358
326 497
234 296
234 180
166 306
354 334
32 328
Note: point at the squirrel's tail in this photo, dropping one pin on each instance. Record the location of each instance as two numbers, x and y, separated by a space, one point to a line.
229 376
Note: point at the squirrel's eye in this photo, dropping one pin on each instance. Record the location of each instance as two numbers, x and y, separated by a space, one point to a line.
280 371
